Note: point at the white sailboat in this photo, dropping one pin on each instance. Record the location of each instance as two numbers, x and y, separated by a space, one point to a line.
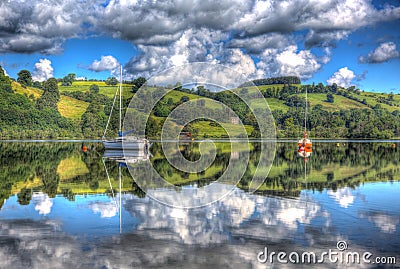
123 142
305 144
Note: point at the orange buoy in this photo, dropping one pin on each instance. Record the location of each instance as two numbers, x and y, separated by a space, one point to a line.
84 148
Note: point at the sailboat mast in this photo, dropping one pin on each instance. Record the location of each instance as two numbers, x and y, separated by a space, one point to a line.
120 198
120 102
305 115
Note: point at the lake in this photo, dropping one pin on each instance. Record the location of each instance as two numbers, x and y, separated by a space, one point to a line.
61 207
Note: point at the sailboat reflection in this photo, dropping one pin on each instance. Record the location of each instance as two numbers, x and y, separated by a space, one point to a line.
305 144
123 158
127 156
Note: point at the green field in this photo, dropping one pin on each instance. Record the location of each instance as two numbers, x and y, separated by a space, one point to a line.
71 108
84 86
68 107
371 99
340 103
273 103
26 90
206 130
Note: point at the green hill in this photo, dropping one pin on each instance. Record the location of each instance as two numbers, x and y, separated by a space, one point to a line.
350 113
107 90
68 107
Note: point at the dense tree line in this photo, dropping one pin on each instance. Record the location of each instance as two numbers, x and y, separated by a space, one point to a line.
94 120
88 96
276 80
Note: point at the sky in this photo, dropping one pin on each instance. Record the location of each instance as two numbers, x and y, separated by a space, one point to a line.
347 42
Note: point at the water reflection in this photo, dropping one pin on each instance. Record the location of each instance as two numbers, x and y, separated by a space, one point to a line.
229 232
58 210
63 168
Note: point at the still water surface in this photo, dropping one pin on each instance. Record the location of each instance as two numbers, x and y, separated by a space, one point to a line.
59 211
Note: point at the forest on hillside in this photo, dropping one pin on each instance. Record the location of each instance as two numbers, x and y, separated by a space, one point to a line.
24 116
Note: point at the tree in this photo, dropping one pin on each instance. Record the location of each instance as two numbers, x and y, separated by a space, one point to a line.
37 84
5 82
68 79
184 99
112 81
93 120
170 101
94 88
24 196
137 83
330 98
50 96
25 78
334 88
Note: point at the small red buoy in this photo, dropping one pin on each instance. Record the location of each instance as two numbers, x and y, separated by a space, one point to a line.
84 148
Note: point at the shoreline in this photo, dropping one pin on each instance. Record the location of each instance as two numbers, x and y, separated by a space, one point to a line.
337 140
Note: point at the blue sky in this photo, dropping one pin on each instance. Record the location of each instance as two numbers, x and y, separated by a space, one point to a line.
348 42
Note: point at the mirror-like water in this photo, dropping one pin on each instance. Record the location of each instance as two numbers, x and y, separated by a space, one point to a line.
60 210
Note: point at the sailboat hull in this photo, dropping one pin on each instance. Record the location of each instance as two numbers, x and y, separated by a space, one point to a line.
306 144
125 144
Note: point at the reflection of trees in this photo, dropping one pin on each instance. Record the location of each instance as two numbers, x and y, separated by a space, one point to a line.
21 162
374 162
24 196
378 160
24 163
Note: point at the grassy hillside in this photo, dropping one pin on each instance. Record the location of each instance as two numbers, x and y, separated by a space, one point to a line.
372 99
68 107
273 103
340 103
71 108
26 90
84 86
289 99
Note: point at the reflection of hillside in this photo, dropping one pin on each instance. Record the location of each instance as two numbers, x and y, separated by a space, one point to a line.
26 163
71 167
63 168
332 166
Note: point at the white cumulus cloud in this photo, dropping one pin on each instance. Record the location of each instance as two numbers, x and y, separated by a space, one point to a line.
106 63
106 210
303 63
383 53
386 223
43 70
42 202
241 62
342 196
343 77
